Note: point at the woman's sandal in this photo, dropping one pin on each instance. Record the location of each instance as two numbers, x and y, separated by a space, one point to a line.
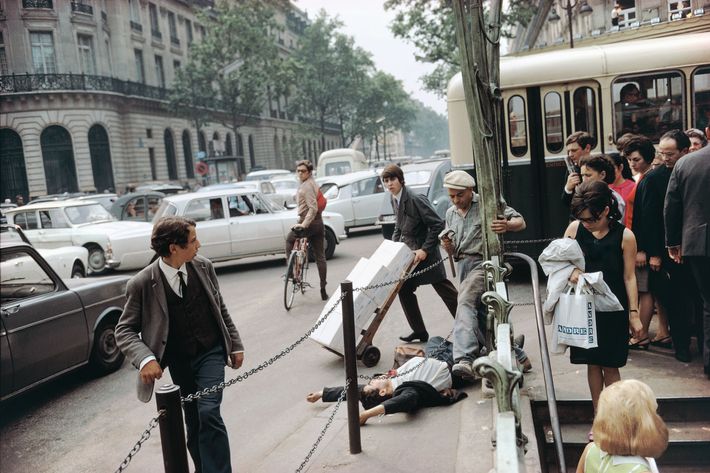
640 345
665 342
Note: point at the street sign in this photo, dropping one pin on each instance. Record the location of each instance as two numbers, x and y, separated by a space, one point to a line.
201 155
201 168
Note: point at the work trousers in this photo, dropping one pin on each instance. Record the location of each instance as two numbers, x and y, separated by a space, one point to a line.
207 439
316 240
468 336
410 305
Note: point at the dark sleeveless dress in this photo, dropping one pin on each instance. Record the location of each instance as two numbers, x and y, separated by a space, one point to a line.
606 255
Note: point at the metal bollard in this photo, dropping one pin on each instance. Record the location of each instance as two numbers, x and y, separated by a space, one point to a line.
172 429
346 287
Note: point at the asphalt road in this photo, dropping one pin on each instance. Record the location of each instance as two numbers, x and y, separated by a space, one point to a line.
83 424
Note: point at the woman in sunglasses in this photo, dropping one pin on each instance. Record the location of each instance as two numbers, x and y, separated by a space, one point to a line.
608 247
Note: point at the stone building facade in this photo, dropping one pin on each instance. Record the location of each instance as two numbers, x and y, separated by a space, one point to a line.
84 92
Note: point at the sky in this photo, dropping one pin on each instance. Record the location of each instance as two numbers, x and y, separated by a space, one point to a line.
368 23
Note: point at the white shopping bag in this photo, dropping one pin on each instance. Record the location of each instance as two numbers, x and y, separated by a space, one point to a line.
574 322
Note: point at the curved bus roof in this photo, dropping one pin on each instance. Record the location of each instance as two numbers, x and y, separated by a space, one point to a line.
597 61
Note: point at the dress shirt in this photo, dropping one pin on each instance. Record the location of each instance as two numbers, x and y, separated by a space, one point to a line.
396 200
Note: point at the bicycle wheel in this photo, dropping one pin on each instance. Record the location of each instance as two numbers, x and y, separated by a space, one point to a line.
290 286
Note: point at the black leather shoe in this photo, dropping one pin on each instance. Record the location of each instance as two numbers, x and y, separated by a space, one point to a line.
683 355
323 294
420 336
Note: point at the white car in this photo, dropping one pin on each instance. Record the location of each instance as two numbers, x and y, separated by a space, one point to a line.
266 174
67 261
85 223
356 196
238 223
287 187
265 187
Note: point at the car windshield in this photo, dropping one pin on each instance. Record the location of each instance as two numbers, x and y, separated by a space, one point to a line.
85 214
285 185
166 209
417 178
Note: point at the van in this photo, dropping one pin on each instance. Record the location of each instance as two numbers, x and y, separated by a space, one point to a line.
335 162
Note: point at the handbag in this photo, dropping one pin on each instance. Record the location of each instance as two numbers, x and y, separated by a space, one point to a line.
322 201
574 322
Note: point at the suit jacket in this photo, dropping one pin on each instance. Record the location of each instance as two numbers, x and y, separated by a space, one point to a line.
647 222
142 329
686 209
418 226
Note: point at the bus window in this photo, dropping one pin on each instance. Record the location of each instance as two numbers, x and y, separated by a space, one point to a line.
553 122
701 98
585 111
517 126
649 105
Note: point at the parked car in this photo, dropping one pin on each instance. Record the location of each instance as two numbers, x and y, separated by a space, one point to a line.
160 186
139 206
67 261
356 196
106 200
266 174
425 177
287 187
237 223
266 188
85 223
50 326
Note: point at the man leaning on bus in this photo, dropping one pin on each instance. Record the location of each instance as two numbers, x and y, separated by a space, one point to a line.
579 145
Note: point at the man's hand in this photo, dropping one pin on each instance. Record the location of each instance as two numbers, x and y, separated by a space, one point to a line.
150 372
675 254
237 359
448 245
419 255
655 263
313 397
640 259
573 181
499 225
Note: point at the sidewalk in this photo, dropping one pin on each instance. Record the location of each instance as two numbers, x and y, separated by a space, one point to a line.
458 438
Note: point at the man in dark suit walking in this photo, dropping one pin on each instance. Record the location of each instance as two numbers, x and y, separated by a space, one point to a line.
418 226
175 317
687 218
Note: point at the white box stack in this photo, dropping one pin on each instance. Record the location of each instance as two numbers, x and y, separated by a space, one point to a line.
386 264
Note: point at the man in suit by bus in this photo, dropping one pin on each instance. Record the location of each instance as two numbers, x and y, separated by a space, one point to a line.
687 218
579 145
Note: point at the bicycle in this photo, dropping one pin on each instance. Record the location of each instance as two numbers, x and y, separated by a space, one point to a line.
296 269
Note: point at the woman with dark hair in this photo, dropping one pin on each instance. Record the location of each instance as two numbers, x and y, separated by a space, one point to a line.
601 168
608 247
623 182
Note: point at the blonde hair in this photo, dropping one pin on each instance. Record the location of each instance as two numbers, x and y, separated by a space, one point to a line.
626 422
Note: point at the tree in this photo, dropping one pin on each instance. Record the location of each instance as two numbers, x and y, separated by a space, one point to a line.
430 132
429 26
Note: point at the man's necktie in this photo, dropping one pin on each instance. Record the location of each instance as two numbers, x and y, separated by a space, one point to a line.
396 207
183 286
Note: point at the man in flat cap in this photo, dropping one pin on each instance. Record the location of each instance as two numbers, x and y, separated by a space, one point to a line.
464 241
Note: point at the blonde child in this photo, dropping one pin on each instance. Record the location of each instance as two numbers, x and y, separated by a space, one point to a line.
628 433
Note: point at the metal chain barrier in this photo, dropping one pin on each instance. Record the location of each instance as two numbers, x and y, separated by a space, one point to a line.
144 437
325 428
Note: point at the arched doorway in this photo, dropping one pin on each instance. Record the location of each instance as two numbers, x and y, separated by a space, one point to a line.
201 142
187 154
13 175
100 152
170 154
58 157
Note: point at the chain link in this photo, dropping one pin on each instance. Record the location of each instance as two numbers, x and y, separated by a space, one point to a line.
325 428
529 242
144 437
401 279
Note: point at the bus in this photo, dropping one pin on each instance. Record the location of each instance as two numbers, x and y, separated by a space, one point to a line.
548 96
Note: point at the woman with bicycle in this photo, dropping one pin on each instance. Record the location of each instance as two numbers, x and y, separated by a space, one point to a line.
310 221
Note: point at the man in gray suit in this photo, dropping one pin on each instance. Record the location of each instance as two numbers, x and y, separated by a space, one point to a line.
175 317
687 218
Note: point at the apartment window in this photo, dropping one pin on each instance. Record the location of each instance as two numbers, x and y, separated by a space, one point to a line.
154 25
188 30
149 133
85 43
140 69
3 56
159 71
108 55
176 65
37 4
135 10
172 25
43 57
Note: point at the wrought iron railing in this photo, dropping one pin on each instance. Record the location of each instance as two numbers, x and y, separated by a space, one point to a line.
37 4
82 8
174 40
136 27
157 35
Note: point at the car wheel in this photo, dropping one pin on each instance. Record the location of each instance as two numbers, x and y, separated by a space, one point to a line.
97 259
106 357
330 242
77 271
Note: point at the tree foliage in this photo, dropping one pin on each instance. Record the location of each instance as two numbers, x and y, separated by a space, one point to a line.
429 132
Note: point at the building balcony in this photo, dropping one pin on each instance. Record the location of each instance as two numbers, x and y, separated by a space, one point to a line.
157 35
82 8
37 4
175 41
137 27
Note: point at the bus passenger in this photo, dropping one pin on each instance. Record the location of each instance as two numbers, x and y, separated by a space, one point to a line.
633 113
697 139
579 145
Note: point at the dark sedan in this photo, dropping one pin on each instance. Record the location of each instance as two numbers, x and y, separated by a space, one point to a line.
50 326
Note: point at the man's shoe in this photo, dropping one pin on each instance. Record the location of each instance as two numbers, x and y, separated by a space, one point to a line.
519 341
323 294
683 355
464 370
420 336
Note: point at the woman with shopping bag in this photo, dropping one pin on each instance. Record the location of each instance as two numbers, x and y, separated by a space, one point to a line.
608 247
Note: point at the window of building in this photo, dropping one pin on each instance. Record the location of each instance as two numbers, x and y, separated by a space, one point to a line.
678 10
517 126
3 56
649 104
172 25
188 30
85 43
701 98
553 122
37 4
151 159
154 25
43 57
585 111
176 65
135 12
140 68
108 56
148 132
159 71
